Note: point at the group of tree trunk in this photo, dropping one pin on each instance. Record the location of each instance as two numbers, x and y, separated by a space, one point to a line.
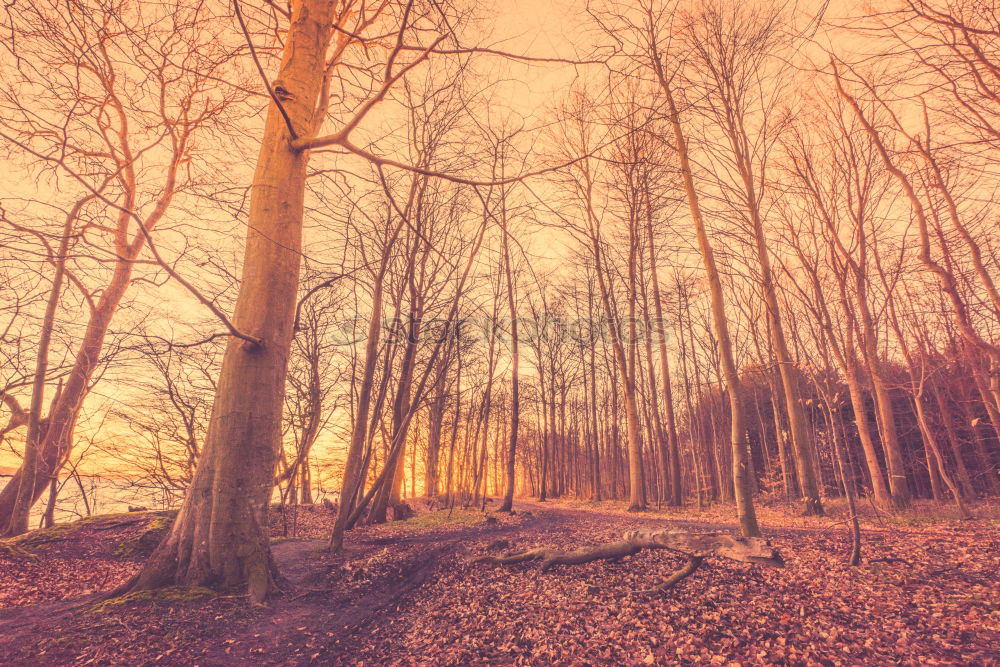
773 276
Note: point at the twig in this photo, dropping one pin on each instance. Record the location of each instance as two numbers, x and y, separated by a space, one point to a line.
260 70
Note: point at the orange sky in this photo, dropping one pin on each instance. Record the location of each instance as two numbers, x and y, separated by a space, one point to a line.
541 28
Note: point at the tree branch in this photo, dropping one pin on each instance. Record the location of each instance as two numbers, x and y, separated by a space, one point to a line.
696 546
260 70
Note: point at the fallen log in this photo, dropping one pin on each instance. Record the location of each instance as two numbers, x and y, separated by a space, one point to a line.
696 546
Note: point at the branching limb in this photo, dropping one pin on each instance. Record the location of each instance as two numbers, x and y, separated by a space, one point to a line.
696 546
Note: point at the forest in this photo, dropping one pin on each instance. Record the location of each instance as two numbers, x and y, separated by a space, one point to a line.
526 332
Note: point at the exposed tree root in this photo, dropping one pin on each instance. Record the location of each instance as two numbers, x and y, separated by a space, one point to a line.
694 562
696 546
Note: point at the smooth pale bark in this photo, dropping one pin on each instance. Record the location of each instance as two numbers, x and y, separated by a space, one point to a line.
802 445
435 427
694 437
887 420
543 421
741 483
845 266
918 377
625 362
220 537
849 366
844 352
655 431
628 395
515 369
597 492
789 482
728 52
29 479
673 470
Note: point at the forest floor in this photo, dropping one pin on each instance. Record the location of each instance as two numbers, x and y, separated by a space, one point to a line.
928 592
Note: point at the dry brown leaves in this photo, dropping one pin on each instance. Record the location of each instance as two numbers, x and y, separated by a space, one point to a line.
406 594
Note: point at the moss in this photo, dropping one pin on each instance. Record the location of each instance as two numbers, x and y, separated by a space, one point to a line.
38 539
15 551
168 594
143 542
438 519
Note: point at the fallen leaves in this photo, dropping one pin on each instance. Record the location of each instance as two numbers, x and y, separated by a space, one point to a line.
406 594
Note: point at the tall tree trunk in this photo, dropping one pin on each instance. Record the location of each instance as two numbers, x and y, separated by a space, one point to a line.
744 502
29 483
515 369
435 426
802 446
673 473
220 537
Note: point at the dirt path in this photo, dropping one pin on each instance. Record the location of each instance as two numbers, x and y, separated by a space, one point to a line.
323 606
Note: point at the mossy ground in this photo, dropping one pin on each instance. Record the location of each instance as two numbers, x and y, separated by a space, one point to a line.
38 539
145 540
439 519
168 594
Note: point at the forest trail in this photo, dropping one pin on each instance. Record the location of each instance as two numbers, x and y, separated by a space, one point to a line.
407 593
320 600
316 606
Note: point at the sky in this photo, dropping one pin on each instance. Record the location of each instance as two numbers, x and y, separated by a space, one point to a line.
540 28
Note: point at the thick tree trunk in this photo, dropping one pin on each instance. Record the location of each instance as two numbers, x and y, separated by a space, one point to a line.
220 537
